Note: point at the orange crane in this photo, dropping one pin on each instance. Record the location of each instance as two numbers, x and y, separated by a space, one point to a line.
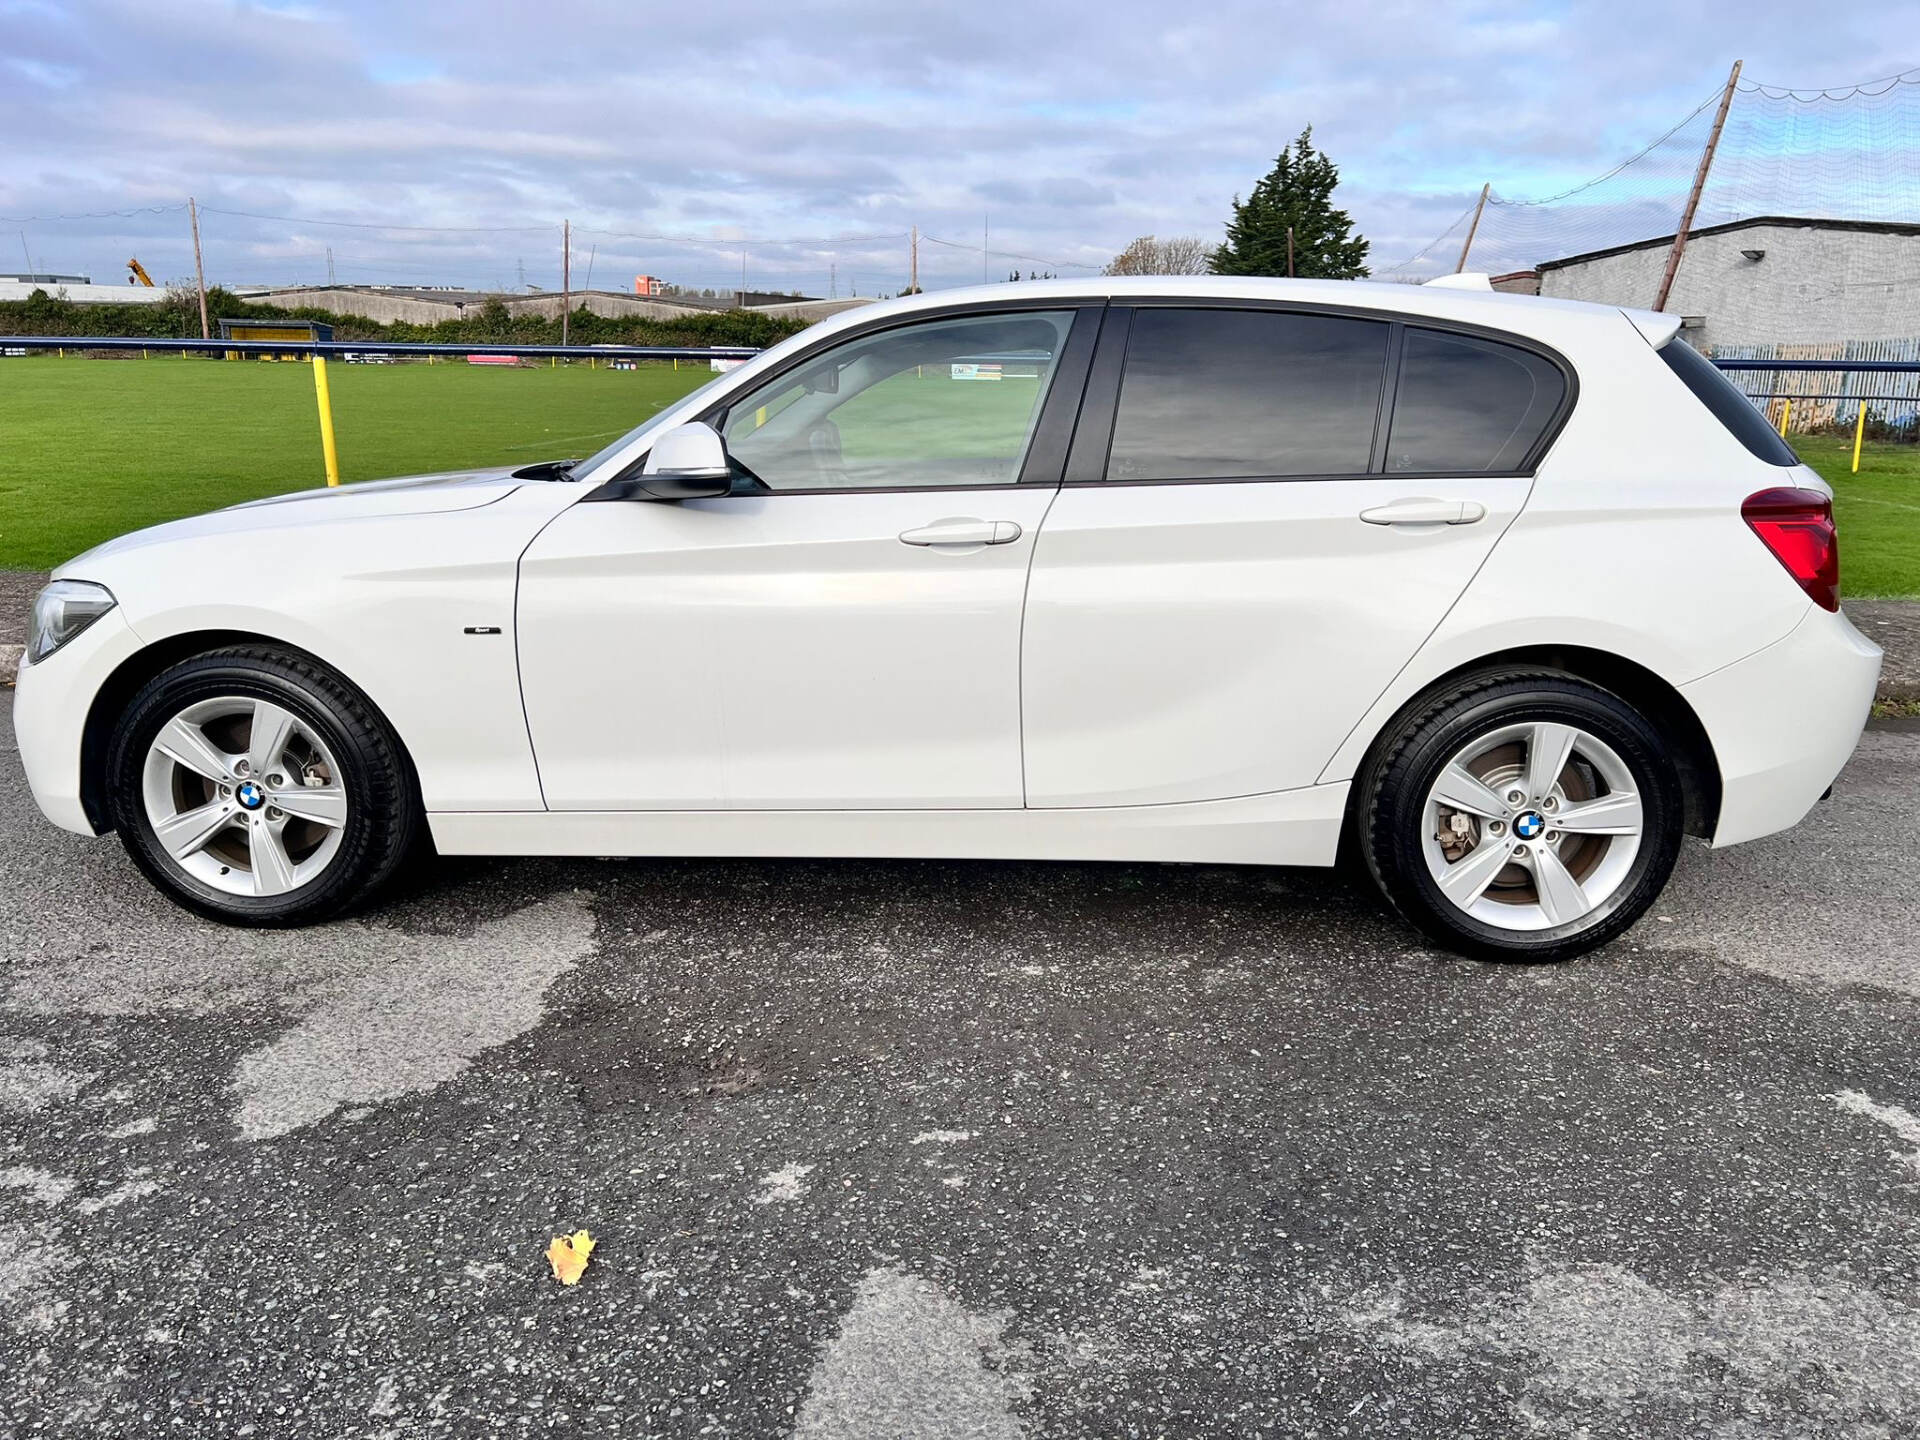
137 271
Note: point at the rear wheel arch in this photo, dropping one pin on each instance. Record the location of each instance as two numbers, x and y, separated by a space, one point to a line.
1654 697
111 700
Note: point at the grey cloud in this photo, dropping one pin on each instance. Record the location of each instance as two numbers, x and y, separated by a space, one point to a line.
1077 128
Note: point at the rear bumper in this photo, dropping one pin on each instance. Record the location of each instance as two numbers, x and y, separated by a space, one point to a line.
50 705
1784 721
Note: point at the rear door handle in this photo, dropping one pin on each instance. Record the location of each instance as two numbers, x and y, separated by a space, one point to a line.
963 532
1422 510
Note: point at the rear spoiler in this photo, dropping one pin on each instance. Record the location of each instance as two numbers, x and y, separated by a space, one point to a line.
1659 328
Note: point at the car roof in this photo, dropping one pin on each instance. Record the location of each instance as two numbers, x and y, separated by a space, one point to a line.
1521 314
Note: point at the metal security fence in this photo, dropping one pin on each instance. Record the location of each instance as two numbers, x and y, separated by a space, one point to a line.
1830 386
344 349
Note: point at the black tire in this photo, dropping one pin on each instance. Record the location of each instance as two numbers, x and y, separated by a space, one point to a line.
383 808
1391 814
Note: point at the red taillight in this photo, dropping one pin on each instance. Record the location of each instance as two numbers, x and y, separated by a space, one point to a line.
1797 526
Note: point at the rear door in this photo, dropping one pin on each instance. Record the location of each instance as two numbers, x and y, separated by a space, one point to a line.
1266 512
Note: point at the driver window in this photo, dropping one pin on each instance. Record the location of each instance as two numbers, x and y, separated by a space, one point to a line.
946 402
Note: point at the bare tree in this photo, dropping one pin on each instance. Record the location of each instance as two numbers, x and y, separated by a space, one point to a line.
1176 255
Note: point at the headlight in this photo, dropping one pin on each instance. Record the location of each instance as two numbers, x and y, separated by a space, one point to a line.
62 611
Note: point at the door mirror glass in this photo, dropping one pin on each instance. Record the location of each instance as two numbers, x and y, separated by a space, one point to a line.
688 462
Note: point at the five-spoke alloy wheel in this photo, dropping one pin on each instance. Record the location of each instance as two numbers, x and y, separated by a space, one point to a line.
1522 816
258 788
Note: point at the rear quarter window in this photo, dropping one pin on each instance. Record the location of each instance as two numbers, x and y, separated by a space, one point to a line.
1469 406
1732 409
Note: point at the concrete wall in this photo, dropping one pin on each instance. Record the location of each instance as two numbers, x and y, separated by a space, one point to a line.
1813 285
87 294
603 302
386 307
812 309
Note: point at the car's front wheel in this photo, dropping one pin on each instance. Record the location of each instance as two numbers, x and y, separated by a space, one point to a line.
255 787
1522 816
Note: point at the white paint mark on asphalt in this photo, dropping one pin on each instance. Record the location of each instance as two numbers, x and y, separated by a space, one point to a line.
134 1188
910 1363
42 1186
789 1182
1601 1337
29 1082
941 1137
143 1126
409 1026
1902 1122
30 1262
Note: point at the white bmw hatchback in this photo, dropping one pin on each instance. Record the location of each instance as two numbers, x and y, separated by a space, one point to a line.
1503 596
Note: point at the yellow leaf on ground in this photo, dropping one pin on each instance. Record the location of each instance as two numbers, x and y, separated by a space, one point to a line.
568 1256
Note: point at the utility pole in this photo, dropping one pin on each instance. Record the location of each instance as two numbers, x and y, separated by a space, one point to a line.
1289 252
913 261
1485 190
329 267
833 280
566 278
1699 184
592 250
199 269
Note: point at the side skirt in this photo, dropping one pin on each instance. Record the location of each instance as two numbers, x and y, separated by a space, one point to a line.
1289 827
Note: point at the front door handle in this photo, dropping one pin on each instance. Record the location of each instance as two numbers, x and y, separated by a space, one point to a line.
963 532
1423 510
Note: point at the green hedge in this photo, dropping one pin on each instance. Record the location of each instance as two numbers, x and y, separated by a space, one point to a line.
178 317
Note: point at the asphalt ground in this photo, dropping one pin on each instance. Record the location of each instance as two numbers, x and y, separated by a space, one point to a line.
949 1150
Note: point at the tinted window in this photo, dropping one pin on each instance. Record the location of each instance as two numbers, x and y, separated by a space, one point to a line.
1232 393
1469 405
946 402
1732 409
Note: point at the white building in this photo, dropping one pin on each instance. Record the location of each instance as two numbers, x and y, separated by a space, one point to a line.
1769 280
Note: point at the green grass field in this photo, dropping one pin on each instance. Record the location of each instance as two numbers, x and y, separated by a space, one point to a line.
1878 512
90 449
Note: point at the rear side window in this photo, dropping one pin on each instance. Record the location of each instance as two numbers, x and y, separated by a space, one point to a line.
1233 394
1466 405
1732 409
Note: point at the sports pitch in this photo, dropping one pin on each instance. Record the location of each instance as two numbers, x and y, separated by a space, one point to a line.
90 449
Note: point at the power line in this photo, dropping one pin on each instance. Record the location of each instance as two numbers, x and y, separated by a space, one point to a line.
738 243
93 215
370 225
1010 254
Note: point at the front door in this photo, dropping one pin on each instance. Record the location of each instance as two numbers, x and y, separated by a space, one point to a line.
841 632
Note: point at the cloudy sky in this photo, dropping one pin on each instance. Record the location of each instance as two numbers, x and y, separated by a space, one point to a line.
811 136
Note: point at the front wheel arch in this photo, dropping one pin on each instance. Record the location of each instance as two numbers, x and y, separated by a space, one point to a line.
111 700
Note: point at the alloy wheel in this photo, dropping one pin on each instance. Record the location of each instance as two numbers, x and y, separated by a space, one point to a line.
244 796
1532 826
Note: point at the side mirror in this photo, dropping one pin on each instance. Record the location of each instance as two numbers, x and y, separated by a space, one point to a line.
688 462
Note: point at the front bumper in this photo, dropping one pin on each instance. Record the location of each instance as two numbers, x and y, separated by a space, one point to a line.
50 704
1784 721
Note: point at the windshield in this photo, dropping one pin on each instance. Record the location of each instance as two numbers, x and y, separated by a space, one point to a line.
605 453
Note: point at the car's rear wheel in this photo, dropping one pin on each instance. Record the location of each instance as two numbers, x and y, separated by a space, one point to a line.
1522 816
255 787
